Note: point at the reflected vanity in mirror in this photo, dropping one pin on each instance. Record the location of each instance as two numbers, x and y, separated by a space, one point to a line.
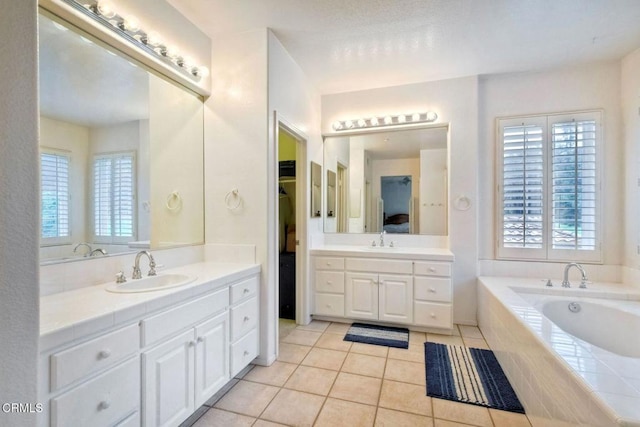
316 190
391 180
121 151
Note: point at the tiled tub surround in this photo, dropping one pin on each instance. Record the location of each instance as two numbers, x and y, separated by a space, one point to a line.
559 377
92 340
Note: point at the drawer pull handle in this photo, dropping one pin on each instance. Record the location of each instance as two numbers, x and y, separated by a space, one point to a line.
246 318
192 343
329 306
199 339
246 290
104 405
432 270
104 354
432 290
329 282
246 353
433 315
329 264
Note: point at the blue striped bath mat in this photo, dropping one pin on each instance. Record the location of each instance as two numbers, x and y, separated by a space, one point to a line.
378 335
469 375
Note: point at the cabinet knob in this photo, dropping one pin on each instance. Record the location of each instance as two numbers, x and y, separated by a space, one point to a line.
329 306
246 290
433 315
246 318
246 353
432 270
104 405
199 339
192 343
329 264
104 354
432 290
329 282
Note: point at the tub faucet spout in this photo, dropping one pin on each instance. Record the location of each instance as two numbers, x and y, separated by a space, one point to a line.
565 280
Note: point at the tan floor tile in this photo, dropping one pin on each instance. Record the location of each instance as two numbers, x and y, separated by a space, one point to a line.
218 418
312 380
403 354
416 347
508 419
470 332
476 343
277 374
315 325
324 358
285 326
461 412
338 328
455 330
418 337
247 398
446 423
356 388
264 423
363 364
371 350
404 371
302 337
445 339
292 353
340 413
333 342
405 397
390 418
293 408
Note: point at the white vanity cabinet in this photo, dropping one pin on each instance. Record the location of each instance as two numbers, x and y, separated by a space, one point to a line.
395 290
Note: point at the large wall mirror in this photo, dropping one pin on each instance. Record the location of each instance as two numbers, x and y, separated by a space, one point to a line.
393 180
121 151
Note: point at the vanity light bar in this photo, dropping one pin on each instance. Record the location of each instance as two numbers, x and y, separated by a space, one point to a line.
128 28
389 120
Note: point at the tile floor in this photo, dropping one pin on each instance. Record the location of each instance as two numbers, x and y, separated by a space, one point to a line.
321 380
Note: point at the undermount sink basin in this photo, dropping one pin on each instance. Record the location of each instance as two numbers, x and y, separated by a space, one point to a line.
151 283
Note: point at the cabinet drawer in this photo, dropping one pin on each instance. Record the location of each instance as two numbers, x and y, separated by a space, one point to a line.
432 289
330 305
372 265
329 263
172 321
330 281
432 314
103 401
244 317
432 268
244 289
243 352
70 365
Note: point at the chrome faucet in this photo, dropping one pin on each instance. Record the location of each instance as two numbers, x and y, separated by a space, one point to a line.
97 251
137 274
565 280
75 250
382 238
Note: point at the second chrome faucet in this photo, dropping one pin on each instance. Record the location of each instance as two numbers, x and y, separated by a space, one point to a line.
137 274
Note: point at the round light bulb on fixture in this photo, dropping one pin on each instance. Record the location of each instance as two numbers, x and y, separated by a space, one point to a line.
171 52
415 117
362 123
374 121
106 9
187 63
388 120
431 116
402 118
337 125
348 124
131 23
154 38
202 71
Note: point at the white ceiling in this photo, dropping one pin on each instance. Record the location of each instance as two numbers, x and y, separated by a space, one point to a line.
345 45
402 143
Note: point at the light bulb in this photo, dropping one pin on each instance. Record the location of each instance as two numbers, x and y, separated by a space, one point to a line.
388 120
402 118
171 51
187 63
106 9
131 23
362 123
374 121
202 71
415 117
154 38
337 125
431 116
348 124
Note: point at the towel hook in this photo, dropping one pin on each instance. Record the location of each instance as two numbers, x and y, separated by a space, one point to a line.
174 201
234 193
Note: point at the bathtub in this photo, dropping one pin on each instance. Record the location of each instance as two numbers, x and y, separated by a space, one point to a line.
572 355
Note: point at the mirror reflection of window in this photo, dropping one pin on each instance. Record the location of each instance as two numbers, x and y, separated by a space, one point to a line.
54 196
395 192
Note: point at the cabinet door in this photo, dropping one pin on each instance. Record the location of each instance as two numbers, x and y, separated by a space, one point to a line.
212 357
396 298
168 373
361 295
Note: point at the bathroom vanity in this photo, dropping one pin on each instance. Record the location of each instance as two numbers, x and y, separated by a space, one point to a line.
148 358
405 286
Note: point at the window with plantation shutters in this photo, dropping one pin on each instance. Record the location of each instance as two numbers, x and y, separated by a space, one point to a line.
548 182
54 197
114 197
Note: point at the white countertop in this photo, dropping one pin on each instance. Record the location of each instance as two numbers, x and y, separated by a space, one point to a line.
398 252
71 315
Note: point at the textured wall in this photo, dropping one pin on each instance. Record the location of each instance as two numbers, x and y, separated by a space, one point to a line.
18 209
